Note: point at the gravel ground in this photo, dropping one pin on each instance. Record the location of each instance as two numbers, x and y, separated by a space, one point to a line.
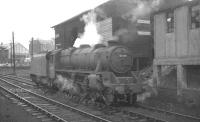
11 112
167 98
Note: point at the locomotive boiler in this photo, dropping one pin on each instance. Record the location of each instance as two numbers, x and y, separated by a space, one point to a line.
113 58
99 72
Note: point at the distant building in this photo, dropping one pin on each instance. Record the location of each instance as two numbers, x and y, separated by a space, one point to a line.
40 46
20 52
7 52
3 54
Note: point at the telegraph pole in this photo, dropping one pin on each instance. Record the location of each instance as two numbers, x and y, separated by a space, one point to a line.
11 55
32 48
13 52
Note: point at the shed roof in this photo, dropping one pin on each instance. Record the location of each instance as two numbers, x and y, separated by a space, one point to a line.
173 4
115 8
71 19
119 7
112 8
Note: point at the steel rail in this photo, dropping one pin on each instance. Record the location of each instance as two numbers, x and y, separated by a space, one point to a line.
97 118
127 112
55 117
18 79
140 105
169 112
131 113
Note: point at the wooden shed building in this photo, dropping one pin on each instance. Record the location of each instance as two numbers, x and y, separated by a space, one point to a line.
177 43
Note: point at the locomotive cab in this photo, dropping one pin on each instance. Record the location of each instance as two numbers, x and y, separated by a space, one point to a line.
38 68
52 62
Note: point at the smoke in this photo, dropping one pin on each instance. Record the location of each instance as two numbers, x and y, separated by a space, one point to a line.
119 33
126 35
90 35
143 7
101 13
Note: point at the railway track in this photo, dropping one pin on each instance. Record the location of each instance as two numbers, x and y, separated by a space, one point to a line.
131 117
19 79
44 108
156 116
189 117
164 116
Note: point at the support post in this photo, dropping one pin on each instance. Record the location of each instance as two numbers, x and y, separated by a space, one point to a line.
181 79
11 55
13 52
156 75
31 47
137 64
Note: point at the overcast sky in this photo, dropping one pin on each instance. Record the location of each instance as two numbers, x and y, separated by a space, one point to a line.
33 18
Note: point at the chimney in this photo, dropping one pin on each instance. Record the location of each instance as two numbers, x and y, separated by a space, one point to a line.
96 46
84 46
113 43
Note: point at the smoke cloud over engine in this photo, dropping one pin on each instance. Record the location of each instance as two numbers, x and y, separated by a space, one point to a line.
143 7
90 35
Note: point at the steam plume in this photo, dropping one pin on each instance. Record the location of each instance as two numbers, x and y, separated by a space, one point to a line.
90 35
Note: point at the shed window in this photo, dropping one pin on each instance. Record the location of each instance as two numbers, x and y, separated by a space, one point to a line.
195 17
170 21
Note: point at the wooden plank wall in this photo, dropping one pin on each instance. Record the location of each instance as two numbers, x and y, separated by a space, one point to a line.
159 33
183 43
105 29
170 45
194 43
181 30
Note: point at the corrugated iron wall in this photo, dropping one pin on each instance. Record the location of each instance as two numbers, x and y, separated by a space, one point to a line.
105 29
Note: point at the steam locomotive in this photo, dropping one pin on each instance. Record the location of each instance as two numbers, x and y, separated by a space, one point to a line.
93 73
